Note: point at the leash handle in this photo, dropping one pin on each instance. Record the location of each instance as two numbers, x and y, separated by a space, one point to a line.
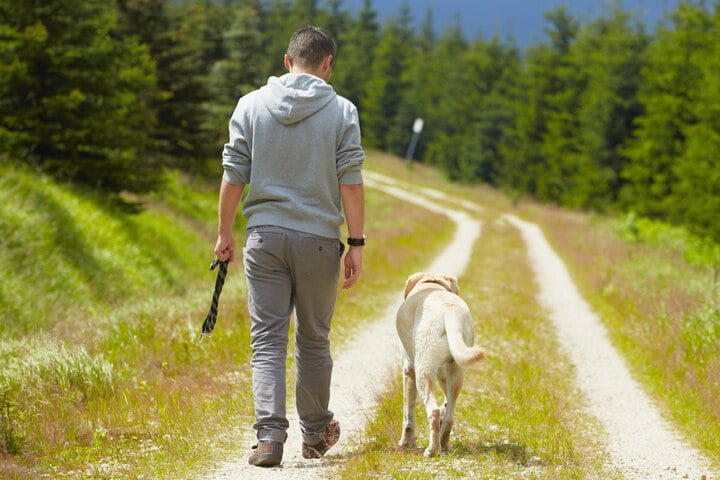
209 323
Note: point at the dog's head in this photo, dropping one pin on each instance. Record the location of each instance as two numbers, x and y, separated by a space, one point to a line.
448 282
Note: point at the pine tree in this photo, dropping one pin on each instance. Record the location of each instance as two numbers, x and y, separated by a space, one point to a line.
671 78
74 94
387 84
538 151
176 36
696 195
356 44
445 77
278 24
490 70
609 54
242 67
417 94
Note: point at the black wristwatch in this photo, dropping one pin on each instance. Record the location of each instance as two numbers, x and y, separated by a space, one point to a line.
356 242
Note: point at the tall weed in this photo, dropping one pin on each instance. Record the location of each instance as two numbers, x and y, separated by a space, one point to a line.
36 370
38 374
696 250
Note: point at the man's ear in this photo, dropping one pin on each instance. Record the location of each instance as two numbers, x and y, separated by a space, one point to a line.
327 64
286 61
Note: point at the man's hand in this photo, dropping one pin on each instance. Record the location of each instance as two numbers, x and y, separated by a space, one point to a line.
353 266
225 247
228 203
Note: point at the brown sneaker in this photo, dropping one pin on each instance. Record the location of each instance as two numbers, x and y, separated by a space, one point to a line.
332 435
266 454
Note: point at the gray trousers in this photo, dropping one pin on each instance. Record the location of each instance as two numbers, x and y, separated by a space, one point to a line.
289 270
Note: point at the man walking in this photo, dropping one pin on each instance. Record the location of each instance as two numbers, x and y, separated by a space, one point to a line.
296 143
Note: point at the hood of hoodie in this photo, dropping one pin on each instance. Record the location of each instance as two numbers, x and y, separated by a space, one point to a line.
295 96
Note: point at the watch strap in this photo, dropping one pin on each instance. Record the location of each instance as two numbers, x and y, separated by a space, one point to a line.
356 242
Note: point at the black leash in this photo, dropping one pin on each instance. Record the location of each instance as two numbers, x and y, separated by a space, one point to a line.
209 323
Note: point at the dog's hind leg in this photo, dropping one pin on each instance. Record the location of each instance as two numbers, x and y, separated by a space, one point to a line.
453 385
408 437
443 381
425 388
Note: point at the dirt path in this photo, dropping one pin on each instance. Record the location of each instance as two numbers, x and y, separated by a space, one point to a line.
642 446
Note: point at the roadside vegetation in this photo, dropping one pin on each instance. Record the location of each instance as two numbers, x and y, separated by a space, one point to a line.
102 302
656 289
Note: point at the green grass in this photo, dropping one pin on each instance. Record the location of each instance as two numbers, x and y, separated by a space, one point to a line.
102 308
100 375
104 378
70 253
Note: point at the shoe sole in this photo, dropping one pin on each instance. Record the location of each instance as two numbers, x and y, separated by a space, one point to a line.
267 460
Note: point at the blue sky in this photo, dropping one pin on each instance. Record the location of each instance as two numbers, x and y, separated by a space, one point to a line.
521 19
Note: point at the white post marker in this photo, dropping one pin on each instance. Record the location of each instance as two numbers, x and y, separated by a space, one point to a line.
417 128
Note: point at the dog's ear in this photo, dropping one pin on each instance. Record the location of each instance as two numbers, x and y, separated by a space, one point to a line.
412 281
449 282
454 285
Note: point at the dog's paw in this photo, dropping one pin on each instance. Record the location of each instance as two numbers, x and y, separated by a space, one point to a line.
429 453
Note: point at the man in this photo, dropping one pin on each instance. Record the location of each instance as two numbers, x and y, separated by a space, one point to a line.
297 144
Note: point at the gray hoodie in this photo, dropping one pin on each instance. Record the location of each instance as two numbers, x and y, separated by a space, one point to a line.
294 141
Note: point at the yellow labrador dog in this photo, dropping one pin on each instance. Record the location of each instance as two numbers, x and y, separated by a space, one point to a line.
436 331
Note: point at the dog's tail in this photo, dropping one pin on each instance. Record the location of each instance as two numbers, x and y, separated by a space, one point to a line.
463 354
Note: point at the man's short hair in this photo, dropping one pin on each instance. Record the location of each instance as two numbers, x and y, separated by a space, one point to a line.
309 46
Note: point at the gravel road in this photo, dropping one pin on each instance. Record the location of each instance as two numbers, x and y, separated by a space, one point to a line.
641 444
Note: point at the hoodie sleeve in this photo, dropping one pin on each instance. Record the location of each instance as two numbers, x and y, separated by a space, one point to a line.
350 154
236 157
